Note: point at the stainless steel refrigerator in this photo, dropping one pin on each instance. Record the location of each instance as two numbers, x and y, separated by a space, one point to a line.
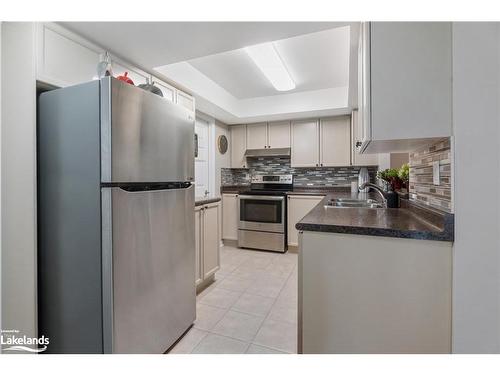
116 243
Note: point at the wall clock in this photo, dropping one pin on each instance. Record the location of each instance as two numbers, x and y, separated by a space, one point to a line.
222 144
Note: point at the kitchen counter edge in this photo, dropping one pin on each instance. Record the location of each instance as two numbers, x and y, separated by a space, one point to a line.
440 225
202 201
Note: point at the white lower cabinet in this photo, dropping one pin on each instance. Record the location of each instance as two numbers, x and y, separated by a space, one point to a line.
207 223
230 216
198 227
211 239
374 295
298 207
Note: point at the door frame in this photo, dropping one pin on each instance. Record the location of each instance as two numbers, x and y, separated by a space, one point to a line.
211 149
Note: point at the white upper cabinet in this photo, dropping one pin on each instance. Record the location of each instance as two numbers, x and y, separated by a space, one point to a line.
238 146
136 75
63 58
257 136
268 135
167 90
357 158
305 143
321 143
185 100
406 76
363 134
278 134
335 142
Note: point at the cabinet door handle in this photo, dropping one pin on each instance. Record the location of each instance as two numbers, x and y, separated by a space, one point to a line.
358 144
321 164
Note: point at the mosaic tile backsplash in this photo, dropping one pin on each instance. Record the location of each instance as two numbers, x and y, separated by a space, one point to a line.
303 177
422 189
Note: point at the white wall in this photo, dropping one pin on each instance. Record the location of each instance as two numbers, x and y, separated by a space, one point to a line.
0 179
384 161
476 291
398 159
18 178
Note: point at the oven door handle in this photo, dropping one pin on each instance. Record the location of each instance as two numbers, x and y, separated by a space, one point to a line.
261 197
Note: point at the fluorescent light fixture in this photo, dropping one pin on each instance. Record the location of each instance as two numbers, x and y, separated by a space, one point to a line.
269 62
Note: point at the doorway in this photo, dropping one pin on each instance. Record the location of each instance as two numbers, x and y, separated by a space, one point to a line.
202 159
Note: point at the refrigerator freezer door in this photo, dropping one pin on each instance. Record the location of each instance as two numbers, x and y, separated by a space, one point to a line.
144 137
148 268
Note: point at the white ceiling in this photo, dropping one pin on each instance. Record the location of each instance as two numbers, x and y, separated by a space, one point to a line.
152 44
231 88
315 61
204 58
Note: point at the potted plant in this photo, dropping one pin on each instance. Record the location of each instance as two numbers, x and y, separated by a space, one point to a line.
397 179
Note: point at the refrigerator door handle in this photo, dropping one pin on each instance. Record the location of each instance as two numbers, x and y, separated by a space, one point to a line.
149 187
136 191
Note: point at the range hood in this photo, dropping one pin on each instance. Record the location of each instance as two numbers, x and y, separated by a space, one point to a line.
267 152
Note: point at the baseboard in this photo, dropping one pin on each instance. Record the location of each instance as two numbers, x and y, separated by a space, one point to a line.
205 284
233 243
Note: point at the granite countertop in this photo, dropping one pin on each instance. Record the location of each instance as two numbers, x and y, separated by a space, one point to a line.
233 189
313 190
319 190
410 221
199 201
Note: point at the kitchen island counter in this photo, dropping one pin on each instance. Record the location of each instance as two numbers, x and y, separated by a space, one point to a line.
409 221
199 201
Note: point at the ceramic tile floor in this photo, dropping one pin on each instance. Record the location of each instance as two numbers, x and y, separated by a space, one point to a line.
250 308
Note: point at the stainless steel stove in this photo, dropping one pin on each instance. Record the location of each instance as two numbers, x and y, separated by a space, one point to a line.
262 213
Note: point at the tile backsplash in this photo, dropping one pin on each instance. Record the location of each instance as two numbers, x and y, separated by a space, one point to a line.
318 177
422 188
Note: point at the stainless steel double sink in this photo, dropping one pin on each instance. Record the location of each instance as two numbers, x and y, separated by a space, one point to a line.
354 203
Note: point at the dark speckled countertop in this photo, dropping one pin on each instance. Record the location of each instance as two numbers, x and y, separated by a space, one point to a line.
410 221
199 201
237 189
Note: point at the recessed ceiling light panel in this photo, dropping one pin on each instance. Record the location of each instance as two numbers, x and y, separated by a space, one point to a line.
269 62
